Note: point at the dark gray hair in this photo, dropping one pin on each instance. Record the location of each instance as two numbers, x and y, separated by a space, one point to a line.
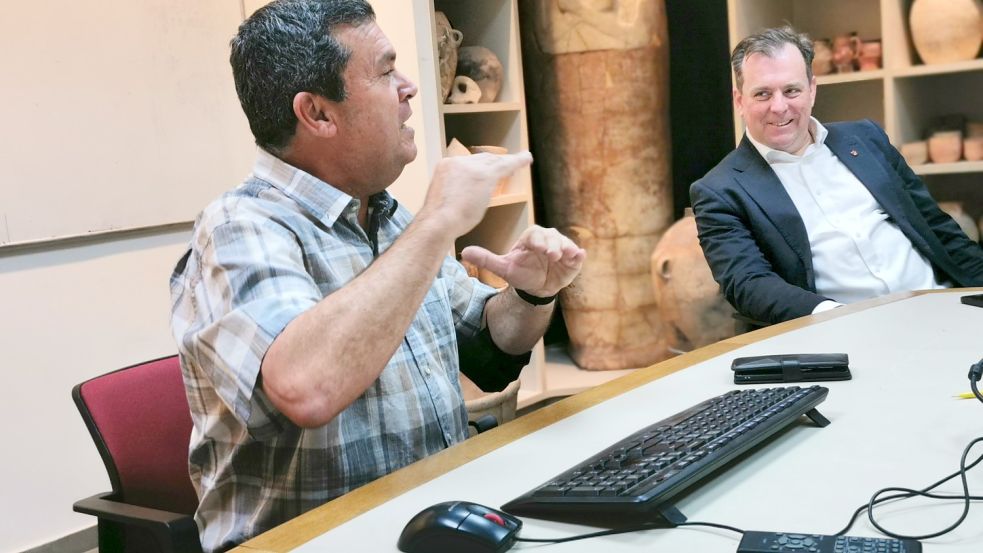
287 47
769 42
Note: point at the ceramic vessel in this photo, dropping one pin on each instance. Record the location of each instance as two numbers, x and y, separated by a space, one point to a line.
945 31
464 91
973 148
597 75
448 41
870 55
955 210
483 67
915 153
945 146
822 62
690 303
845 50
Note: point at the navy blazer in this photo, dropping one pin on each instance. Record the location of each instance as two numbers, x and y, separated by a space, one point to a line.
756 243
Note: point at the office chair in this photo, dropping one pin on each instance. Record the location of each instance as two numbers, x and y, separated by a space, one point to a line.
139 420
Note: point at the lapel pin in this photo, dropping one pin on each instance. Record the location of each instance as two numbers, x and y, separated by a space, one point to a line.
854 153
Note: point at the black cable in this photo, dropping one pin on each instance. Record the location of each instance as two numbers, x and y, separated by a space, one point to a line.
975 373
874 500
646 526
966 499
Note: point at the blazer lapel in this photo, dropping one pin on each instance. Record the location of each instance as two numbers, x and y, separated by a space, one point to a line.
762 185
863 162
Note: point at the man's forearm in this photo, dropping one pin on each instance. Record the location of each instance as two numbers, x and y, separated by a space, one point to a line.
515 324
326 357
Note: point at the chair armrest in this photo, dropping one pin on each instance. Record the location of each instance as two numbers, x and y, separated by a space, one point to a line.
174 531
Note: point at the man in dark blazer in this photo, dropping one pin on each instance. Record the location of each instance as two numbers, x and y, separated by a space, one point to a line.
803 217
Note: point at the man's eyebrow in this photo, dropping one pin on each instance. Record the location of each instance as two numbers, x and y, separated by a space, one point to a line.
387 58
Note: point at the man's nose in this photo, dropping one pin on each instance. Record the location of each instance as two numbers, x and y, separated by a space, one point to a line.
778 103
407 88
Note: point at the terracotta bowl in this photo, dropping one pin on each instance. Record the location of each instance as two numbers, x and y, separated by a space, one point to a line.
945 147
973 148
915 153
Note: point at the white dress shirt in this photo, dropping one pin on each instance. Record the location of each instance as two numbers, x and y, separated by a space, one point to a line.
857 252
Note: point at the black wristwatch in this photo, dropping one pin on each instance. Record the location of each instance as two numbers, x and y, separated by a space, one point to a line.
534 300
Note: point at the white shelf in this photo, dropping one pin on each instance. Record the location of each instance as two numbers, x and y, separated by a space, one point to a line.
490 107
856 76
938 69
509 199
948 168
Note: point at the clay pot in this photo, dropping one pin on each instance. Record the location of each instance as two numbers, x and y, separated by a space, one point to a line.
464 91
915 153
822 62
845 50
597 86
955 210
448 41
693 311
501 405
483 67
945 31
870 55
973 148
945 146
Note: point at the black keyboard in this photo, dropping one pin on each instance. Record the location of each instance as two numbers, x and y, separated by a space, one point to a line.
631 481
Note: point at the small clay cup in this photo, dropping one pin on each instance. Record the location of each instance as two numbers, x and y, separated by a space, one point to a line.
973 148
945 146
915 153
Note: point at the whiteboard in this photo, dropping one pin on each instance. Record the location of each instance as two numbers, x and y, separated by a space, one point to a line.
116 114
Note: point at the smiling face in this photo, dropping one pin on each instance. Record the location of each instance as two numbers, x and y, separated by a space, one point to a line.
372 118
776 99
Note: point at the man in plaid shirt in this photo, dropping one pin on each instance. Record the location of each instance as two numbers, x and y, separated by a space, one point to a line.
316 320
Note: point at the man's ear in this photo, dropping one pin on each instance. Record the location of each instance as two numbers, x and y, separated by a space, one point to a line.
314 114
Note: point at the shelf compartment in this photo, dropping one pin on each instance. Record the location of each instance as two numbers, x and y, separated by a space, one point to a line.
489 23
500 228
921 99
847 101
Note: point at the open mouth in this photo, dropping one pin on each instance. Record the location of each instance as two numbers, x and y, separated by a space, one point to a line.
783 123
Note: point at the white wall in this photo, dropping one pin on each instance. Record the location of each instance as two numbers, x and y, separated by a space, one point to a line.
73 312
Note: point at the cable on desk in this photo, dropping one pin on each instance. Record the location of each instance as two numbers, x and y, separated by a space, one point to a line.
646 526
907 492
975 373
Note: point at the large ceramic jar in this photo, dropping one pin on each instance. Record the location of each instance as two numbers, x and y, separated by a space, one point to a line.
598 94
945 31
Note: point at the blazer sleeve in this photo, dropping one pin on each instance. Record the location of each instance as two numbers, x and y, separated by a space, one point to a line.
966 254
746 277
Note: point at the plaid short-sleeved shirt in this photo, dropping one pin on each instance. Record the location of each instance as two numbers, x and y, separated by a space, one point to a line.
259 256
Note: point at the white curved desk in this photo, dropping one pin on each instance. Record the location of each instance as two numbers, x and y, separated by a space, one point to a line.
895 424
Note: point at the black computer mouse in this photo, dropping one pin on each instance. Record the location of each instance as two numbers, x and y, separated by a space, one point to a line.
459 526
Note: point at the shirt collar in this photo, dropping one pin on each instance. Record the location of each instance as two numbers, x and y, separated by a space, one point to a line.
323 201
816 129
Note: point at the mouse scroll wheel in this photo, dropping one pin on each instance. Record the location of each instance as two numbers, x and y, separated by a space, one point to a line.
494 518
